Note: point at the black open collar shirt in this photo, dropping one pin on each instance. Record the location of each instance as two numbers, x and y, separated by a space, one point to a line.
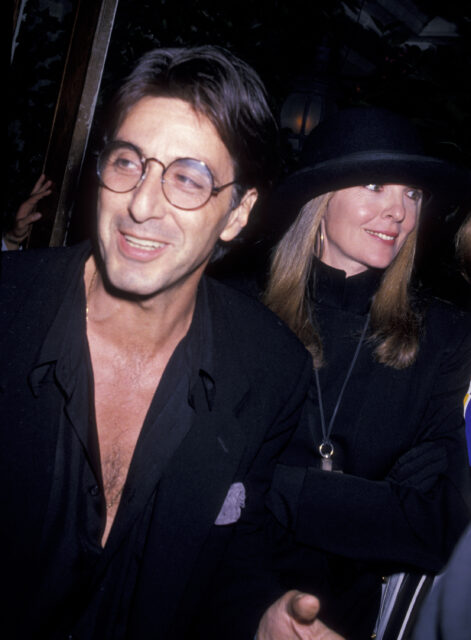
90 581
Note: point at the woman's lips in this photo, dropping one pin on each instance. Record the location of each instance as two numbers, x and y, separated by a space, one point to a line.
385 237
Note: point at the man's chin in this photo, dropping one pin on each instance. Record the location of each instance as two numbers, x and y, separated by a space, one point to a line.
130 288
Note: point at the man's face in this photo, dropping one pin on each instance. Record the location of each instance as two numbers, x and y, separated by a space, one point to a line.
147 244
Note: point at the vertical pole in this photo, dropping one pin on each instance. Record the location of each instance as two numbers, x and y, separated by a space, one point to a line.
73 116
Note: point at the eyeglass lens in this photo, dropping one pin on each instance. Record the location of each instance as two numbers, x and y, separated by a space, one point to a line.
186 182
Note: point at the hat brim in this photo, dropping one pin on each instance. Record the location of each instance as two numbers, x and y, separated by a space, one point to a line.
439 178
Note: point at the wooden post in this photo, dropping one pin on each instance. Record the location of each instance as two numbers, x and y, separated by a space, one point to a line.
73 117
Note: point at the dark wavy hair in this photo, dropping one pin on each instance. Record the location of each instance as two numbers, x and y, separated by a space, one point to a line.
223 88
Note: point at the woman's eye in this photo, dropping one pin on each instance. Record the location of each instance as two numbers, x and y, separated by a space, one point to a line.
373 187
414 194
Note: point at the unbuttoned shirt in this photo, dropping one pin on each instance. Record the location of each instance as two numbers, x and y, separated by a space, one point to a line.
84 583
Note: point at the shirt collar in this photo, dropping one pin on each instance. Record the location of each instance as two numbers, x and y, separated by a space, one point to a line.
64 339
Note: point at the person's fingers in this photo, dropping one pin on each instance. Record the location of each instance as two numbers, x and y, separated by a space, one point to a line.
35 197
294 617
303 608
26 221
22 226
25 211
26 208
42 183
39 182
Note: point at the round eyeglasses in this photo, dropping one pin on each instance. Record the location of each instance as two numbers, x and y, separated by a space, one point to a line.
186 183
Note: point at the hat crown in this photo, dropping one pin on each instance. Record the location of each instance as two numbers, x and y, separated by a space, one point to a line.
360 130
363 145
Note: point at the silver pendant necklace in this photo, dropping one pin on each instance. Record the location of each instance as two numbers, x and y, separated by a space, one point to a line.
326 448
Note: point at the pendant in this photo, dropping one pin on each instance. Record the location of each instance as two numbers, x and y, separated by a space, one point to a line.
326 449
327 464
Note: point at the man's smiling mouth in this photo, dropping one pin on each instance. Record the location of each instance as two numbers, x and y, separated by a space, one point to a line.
142 243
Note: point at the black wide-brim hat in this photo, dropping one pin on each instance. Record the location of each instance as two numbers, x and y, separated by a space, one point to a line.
364 145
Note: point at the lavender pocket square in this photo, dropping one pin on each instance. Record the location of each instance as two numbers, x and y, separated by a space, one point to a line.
233 504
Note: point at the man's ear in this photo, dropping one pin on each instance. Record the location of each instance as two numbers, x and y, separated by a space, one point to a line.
239 216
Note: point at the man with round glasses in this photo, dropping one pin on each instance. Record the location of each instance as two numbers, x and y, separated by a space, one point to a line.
186 183
143 404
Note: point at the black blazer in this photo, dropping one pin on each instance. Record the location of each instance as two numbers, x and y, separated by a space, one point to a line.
263 374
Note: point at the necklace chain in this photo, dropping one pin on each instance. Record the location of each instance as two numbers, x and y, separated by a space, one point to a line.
326 448
87 295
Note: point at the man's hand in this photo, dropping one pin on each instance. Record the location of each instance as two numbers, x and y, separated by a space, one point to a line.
294 616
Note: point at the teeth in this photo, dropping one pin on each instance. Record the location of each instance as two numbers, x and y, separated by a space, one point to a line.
143 244
383 236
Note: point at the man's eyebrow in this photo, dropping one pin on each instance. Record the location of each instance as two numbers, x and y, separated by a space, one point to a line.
128 143
214 171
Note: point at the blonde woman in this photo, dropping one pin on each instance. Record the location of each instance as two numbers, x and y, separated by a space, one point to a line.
377 483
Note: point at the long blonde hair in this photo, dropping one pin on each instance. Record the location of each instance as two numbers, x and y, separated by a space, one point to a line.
394 324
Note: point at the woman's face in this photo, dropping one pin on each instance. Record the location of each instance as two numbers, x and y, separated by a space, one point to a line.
366 226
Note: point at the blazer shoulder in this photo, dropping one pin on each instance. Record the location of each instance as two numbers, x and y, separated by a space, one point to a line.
37 276
17 265
253 325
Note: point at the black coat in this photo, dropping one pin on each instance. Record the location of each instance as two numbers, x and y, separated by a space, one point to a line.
263 374
403 497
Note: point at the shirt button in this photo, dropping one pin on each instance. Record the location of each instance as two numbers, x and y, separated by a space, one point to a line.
94 491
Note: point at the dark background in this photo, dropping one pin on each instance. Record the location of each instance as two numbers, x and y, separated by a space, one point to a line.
412 56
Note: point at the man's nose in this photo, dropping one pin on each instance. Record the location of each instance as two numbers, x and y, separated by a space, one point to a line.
148 199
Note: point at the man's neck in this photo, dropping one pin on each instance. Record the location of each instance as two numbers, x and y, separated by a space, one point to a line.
151 324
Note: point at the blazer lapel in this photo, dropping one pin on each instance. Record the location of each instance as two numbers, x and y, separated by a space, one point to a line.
194 485
190 495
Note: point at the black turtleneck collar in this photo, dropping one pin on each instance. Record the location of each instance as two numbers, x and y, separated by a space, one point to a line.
332 288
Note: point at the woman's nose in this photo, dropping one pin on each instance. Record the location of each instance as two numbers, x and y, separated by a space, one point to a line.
394 207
